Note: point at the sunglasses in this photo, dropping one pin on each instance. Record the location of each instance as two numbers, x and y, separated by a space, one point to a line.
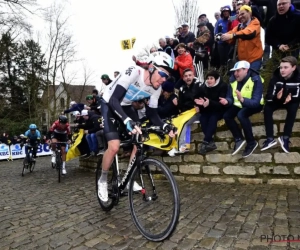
162 73
32 129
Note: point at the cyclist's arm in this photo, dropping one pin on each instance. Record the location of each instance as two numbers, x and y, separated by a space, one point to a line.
152 112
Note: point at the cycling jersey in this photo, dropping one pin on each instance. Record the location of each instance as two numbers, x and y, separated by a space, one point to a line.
132 80
32 136
57 128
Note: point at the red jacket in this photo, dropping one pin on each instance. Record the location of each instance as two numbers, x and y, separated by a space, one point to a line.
184 61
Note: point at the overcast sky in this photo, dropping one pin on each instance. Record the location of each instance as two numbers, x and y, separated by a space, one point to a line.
99 26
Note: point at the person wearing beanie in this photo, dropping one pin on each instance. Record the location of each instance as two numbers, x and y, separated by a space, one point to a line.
105 79
167 103
94 102
207 99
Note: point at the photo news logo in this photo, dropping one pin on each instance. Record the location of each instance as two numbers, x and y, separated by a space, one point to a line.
279 238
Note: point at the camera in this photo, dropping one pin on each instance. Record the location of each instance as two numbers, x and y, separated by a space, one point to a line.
218 37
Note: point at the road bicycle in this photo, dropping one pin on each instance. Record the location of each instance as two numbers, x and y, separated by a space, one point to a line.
28 162
58 159
155 207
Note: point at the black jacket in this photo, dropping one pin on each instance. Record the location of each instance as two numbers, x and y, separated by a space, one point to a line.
284 29
93 123
166 107
213 94
189 38
290 86
186 96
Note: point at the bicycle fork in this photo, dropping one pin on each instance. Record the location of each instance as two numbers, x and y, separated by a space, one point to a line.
147 197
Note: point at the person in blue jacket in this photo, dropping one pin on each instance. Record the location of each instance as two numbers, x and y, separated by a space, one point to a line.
33 137
75 107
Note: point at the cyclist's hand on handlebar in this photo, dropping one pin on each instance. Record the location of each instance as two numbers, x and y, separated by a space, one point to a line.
132 127
49 142
170 129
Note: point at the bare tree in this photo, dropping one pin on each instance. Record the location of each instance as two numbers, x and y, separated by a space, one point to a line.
61 51
187 11
13 14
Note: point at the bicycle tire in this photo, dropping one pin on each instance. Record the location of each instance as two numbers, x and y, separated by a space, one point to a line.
112 184
32 165
149 203
24 166
58 165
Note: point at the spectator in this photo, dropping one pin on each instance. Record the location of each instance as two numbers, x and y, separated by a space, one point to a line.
183 61
211 110
186 36
75 107
92 125
249 47
105 79
116 73
244 98
165 48
222 27
186 102
283 93
282 32
167 103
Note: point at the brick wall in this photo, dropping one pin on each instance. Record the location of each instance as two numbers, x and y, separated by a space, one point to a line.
272 166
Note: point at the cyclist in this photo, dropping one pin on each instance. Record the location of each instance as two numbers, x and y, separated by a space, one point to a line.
132 85
59 132
33 137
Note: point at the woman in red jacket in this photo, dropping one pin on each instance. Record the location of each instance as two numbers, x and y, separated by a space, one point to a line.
183 61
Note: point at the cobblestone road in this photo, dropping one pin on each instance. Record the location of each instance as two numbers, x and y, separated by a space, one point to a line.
36 212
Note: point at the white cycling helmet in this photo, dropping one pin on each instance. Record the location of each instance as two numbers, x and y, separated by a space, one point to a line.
161 59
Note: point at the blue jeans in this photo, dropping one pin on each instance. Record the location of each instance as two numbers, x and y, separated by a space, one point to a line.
209 122
93 142
256 65
243 115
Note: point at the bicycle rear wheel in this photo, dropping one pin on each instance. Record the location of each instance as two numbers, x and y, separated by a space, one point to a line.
154 209
112 186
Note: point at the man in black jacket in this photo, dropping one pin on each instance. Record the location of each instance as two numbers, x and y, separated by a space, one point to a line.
283 93
282 30
92 125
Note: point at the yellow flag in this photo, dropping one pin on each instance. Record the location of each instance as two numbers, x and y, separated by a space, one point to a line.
126 44
132 41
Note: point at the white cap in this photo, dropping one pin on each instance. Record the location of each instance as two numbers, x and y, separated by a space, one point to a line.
167 37
76 113
72 103
241 65
84 112
21 135
185 24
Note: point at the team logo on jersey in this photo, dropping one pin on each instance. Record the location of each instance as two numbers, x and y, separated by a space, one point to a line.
134 94
137 84
129 70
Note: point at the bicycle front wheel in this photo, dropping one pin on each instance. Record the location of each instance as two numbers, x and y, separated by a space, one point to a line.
31 166
24 166
155 205
58 166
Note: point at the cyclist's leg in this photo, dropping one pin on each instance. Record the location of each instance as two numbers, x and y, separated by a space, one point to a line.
34 149
63 138
27 153
53 148
112 137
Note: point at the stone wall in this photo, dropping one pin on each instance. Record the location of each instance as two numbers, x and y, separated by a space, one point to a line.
272 166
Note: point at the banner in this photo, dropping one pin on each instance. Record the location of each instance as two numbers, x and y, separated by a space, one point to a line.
10 152
179 121
128 43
